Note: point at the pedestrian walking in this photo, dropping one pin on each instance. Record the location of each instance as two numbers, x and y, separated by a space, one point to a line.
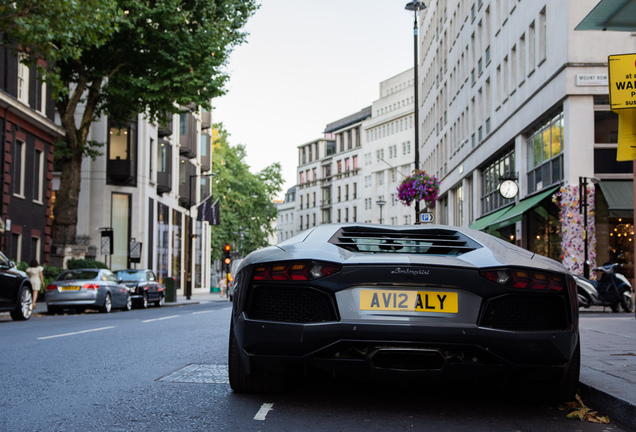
222 286
36 276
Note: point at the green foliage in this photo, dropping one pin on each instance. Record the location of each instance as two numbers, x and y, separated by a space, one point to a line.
50 274
246 199
74 264
121 58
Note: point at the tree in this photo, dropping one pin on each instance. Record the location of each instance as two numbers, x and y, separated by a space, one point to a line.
246 200
143 56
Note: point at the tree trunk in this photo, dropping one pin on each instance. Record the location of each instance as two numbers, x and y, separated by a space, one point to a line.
64 228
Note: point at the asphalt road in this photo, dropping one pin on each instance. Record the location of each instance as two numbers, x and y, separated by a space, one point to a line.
165 369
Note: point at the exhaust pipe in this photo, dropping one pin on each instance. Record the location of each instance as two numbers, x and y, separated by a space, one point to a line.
410 359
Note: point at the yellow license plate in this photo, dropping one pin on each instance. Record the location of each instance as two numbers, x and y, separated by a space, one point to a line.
408 301
70 288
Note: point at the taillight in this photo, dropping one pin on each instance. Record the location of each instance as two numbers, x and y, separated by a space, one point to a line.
293 271
51 287
525 279
90 286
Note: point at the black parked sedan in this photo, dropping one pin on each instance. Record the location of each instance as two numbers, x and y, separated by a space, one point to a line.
16 294
144 287
405 303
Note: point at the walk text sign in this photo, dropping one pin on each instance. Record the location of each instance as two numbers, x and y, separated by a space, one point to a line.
622 81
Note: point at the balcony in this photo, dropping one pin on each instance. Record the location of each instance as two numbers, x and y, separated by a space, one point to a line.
188 135
165 130
325 204
187 170
122 172
164 182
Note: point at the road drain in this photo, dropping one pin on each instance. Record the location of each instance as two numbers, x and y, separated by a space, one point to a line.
198 374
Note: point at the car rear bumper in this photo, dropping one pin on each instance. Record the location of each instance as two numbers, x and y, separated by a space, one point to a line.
65 299
394 347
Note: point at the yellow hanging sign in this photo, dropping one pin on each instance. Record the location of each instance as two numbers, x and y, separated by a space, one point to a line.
622 81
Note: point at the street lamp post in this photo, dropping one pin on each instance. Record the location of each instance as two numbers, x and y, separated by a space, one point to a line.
381 203
416 6
191 236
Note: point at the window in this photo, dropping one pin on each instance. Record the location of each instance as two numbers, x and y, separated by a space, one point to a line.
355 162
531 45
542 36
502 166
38 176
458 217
23 80
19 158
545 155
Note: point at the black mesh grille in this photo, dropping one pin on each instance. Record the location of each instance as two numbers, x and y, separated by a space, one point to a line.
290 304
530 313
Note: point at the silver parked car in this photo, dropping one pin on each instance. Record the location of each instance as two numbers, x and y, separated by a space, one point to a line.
87 289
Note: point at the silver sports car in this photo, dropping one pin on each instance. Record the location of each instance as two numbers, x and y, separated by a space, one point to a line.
87 289
405 302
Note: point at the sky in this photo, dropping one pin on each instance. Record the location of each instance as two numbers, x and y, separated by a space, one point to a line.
306 64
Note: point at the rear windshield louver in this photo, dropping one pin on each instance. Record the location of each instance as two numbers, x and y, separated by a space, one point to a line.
429 241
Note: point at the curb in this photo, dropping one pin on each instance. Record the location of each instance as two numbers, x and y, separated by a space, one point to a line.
619 411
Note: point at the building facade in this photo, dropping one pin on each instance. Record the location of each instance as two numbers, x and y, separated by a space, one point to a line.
29 131
144 189
388 154
285 224
509 90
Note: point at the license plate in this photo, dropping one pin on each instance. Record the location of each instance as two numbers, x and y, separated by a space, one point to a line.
70 288
409 301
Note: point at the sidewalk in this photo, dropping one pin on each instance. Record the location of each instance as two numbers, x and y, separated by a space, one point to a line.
608 364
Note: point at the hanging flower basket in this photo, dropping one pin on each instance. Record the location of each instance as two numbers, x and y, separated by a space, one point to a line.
419 186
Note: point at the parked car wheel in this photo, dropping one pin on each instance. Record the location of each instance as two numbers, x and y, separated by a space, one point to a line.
626 300
25 310
144 301
128 304
108 304
257 381
161 301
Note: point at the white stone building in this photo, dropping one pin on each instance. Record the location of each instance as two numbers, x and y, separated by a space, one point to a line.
508 89
142 187
388 152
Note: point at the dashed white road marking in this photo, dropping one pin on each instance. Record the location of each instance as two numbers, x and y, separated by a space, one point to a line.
161 319
202 312
75 333
262 413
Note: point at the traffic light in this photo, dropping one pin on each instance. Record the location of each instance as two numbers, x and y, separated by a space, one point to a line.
227 250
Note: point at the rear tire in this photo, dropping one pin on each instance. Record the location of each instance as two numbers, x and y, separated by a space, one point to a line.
161 301
25 308
567 385
108 304
255 382
128 306
627 301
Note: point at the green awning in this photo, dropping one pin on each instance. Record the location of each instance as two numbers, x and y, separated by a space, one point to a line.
490 219
516 213
614 15
620 197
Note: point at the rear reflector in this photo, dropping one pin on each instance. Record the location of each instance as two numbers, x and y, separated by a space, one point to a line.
294 271
525 279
